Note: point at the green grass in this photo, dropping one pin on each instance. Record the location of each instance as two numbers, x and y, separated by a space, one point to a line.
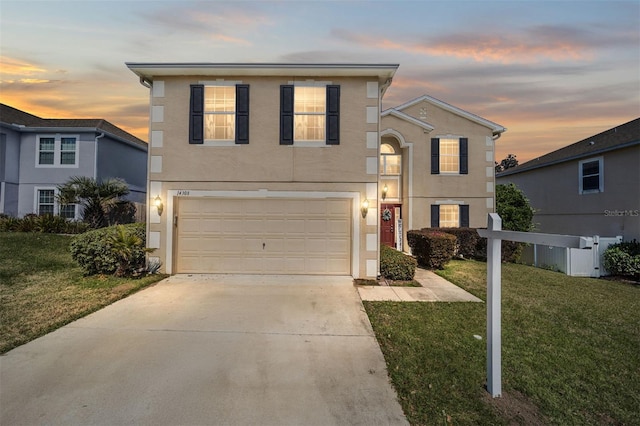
571 350
42 288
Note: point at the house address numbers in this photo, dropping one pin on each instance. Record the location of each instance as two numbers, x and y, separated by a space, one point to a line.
182 192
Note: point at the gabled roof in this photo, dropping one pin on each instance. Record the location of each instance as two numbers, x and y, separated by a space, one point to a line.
622 136
28 122
401 115
495 128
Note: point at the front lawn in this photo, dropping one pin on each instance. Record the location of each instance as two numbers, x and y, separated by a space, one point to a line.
42 288
571 350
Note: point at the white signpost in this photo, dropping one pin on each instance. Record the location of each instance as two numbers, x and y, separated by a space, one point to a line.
494 235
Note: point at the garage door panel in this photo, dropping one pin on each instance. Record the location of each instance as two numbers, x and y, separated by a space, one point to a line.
299 236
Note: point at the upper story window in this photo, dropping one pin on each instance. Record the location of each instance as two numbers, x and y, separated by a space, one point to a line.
390 162
450 156
591 176
57 151
309 109
219 114
310 114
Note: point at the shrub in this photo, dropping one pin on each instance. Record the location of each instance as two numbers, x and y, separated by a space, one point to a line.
623 259
95 253
432 249
45 224
466 241
396 265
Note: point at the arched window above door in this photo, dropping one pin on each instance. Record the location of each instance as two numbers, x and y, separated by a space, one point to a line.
390 162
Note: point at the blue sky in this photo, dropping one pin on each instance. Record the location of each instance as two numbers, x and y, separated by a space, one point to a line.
551 72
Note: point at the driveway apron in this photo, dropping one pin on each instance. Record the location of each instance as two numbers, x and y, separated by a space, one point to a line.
208 350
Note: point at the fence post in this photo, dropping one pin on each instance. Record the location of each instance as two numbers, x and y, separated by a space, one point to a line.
494 311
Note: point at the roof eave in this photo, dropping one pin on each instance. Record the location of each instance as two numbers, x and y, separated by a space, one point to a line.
525 168
406 117
383 72
494 127
31 129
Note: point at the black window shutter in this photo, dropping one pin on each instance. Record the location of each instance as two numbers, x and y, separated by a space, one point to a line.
435 216
286 115
435 156
196 114
333 115
464 215
242 114
464 156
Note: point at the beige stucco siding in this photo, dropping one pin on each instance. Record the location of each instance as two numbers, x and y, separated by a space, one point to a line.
263 159
264 168
421 189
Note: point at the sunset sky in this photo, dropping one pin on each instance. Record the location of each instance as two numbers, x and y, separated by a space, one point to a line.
551 72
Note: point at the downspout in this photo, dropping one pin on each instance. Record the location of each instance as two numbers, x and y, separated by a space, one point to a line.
95 157
145 82
495 137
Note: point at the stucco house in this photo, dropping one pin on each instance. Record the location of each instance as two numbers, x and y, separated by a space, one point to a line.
436 168
591 187
264 168
38 154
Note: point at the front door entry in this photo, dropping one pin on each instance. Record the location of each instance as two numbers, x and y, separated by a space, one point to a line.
388 224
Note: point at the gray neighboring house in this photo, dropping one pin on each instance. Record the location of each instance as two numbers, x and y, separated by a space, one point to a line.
38 154
591 187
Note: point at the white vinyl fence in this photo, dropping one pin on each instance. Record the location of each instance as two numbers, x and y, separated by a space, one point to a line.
571 261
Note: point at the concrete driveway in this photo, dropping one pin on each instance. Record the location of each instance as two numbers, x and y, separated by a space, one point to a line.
208 350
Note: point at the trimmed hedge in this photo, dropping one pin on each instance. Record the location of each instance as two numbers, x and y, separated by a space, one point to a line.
396 265
94 252
470 245
623 259
432 249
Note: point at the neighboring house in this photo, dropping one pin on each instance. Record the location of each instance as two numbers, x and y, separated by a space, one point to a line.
265 168
38 154
437 164
591 187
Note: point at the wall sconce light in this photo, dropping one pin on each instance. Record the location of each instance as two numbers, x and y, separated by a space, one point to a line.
158 203
385 189
364 209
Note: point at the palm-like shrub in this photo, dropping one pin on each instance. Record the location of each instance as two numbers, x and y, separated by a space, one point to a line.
97 199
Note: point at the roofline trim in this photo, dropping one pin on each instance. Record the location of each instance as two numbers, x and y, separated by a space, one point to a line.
401 115
383 71
517 170
33 129
495 127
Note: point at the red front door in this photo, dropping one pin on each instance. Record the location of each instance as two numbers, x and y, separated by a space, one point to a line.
388 224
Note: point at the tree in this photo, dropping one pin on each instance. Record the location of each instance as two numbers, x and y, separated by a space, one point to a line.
98 199
514 208
508 163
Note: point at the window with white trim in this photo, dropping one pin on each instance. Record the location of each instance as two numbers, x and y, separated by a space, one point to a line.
57 151
390 162
219 112
449 155
591 176
46 204
310 114
309 110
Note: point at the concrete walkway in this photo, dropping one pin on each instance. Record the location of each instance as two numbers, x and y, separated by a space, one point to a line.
208 350
434 289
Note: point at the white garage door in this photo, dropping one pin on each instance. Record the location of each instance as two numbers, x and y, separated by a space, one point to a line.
264 236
